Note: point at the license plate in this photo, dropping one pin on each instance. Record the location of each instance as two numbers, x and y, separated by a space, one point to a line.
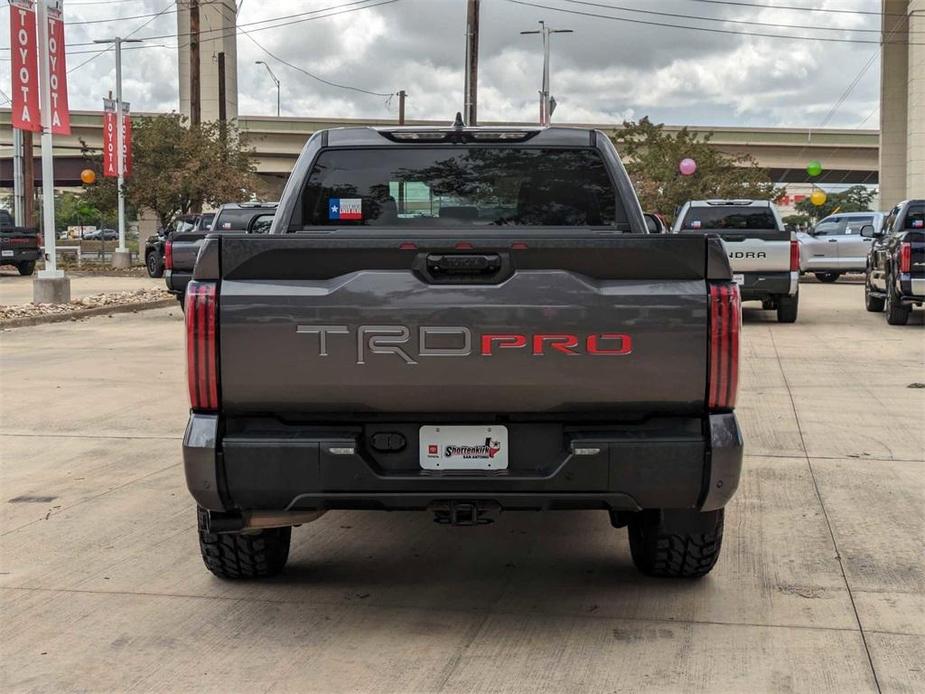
463 447
738 278
7 253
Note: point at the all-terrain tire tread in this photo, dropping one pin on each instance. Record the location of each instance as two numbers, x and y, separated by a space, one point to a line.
244 556
676 555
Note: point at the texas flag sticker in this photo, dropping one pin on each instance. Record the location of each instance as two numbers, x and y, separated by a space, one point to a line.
696 224
918 223
345 209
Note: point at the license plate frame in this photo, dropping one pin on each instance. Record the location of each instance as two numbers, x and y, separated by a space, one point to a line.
463 447
8 254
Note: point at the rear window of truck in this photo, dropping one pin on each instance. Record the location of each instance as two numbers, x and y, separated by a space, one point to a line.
237 220
460 186
728 217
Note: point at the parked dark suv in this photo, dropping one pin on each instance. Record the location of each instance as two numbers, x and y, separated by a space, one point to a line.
895 275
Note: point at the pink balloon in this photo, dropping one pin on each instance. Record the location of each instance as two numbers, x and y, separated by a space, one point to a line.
687 167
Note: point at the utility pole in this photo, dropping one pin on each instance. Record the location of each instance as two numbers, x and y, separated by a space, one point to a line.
50 285
401 107
547 103
470 103
195 93
122 256
222 107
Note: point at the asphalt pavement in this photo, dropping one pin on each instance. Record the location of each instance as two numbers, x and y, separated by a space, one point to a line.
820 587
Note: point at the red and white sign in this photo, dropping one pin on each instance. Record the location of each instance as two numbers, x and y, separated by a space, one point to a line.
24 47
126 140
111 139
110 144
57 71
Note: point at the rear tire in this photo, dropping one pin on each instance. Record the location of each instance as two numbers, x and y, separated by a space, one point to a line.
787 308
154 265
26 268
676 543
874 304
238 556
827 277
896 313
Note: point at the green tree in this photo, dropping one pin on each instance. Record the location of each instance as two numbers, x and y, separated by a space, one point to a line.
652 156
177 167
853 199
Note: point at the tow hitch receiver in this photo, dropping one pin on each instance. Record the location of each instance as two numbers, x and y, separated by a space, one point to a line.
464 512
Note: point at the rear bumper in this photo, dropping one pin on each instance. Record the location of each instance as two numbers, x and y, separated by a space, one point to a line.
177 281
24 255
765 285
674 463
912 290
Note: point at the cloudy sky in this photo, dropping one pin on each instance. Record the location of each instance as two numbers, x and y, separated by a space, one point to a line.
759 66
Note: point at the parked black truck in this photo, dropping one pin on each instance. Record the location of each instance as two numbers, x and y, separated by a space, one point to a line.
182 246
19 246
156 244
895 275
464 321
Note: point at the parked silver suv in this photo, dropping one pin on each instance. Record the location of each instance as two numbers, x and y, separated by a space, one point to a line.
835 245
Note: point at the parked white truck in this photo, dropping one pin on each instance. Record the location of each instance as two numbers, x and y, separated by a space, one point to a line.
765 258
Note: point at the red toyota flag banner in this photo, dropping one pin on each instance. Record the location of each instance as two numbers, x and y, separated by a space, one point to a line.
110 161
126 140
24 46
57 70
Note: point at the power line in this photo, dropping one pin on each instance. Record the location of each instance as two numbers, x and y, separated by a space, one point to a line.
764 6
699 18
314 76
129 35
297 18
789 37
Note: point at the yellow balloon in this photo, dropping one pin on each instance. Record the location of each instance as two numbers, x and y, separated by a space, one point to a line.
88 176
817 198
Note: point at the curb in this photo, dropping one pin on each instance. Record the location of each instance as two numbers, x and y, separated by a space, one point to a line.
85 313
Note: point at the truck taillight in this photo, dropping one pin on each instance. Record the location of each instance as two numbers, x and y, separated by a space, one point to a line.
794 256
905 257
725 326
168 255
201 350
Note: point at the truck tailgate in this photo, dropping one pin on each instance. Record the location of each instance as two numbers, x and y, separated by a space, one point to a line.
612 324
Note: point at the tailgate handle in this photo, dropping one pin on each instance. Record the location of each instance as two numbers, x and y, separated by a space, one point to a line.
734 237
465 264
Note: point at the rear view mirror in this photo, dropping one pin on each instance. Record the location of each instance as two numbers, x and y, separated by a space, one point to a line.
654 224
260 224
867 231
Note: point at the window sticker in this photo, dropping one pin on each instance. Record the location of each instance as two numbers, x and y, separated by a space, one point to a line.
345 209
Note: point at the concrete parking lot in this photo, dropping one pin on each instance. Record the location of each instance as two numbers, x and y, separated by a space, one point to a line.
820 588
18 290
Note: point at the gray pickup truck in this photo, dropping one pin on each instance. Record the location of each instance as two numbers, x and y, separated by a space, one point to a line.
463 321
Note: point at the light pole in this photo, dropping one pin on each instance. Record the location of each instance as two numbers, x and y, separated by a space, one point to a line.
546 101
275 80
122 257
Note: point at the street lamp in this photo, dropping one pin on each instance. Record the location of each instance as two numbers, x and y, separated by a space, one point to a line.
276 81
547 103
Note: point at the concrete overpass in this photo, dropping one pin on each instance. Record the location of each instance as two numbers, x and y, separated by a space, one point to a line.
848 156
